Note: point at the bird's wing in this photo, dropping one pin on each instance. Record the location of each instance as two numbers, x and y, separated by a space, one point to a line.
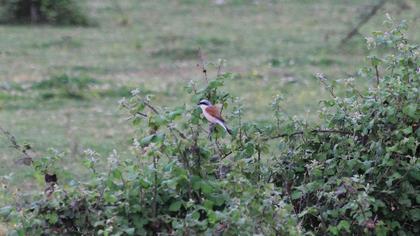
214 111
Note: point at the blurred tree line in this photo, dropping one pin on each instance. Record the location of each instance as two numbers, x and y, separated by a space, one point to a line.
58 12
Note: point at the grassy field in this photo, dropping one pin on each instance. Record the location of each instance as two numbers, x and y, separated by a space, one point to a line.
275 47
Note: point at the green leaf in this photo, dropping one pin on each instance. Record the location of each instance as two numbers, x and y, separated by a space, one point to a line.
212 217
144 183
116 174
110 197
196 182
408 130
195 215
411 111
208 204
176 113
5 211
214 84
130 231
415 214
296 194
139 221
147 140
52 218
157 121
344 224
175 206
333 230
206 187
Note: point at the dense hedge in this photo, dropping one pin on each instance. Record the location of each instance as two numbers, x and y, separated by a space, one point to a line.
355 172
60 12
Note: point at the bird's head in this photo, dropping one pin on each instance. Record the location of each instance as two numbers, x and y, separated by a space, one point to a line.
203 104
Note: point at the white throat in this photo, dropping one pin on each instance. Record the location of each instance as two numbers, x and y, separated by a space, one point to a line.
203 107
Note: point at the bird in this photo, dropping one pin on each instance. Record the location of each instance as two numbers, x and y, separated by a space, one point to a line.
213 115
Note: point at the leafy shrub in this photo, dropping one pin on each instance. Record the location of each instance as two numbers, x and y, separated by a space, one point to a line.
356 172
60 12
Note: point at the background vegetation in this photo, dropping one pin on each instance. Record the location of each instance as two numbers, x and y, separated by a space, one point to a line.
60 12
61 86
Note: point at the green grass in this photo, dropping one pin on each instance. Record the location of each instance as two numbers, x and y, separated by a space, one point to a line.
275 46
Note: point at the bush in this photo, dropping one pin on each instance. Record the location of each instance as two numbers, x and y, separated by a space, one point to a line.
57 12
354 173
358 170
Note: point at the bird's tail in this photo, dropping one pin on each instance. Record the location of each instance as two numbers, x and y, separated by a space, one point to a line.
221 123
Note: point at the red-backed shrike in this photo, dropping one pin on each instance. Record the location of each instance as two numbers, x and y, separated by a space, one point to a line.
212 114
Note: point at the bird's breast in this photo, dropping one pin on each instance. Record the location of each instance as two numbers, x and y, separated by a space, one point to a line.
210 118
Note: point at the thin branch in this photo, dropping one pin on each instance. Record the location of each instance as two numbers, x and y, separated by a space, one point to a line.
182 135
155 187
141 114
365 19
27 159
219 68
151 107
137 113
377 76
323 80
356 90
259 162
11 138
202 64
219 149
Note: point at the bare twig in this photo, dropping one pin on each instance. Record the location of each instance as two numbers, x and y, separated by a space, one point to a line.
137 113
203 65
364 20
377 76
219 68
182 135
155 187
217 144
226 155
259 162
27 159
11 138
323 80
151 107
356 90
141 114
